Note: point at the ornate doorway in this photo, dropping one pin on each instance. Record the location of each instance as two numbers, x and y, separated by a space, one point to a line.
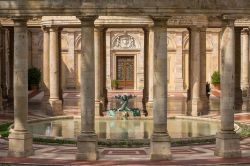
125 71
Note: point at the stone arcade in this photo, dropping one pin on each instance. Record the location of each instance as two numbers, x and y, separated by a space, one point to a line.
142 30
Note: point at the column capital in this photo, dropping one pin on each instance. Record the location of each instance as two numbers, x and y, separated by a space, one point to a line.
245 31
45 29
99 28
20 21
87 20
228 20
54 28
160 21
197 28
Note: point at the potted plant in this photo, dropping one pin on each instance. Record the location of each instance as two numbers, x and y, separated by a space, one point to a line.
114 84
34 78
215 80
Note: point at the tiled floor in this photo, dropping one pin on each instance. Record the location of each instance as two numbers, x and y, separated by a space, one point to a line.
184 155
65 155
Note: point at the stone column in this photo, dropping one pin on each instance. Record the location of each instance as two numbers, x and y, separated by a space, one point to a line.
98 37
4 64
245 61
20 140
160 140
203 72
11 65
245 67
46 66
1 64
238 93
55 104
87 140
227 141
150 66
197 83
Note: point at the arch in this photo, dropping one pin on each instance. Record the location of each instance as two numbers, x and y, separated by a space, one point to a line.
171 45
78 41
186 42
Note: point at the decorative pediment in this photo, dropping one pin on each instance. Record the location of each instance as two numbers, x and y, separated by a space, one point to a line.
124 42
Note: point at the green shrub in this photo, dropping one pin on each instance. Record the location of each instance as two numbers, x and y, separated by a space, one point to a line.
115 83
34 76
215 78
4 130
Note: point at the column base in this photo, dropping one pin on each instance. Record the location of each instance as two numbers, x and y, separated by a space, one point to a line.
227 145
160 147
149 108
98 109
54 108
87 147
197 106
20 144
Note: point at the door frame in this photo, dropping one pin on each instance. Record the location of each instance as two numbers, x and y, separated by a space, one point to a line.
114 62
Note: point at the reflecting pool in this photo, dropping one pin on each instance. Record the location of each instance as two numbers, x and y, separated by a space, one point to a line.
125 129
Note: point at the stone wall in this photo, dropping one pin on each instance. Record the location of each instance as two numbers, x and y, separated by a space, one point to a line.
178 51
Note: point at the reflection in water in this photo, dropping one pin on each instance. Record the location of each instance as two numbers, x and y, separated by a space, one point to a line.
125 129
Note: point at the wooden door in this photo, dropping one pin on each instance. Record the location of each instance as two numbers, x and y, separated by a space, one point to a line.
125 72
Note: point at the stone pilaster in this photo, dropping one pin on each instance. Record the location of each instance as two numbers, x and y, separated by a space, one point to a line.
238 93
197 84
178 76
55 102
150 73
227 141
160 140
46 66
98 51
245 68
20 140
87 140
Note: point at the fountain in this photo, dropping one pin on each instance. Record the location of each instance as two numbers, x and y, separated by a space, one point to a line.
124 109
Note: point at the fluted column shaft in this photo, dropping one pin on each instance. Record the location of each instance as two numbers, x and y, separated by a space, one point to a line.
19 135
227 141
87 141
160 142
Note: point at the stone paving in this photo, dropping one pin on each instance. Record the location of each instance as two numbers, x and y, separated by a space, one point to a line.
65 154
184 155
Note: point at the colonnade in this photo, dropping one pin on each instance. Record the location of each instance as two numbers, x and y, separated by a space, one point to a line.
227 142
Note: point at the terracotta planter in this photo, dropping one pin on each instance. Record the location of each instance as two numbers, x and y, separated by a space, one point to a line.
216 86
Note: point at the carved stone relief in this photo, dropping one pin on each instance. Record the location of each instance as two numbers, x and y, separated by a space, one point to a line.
124 42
